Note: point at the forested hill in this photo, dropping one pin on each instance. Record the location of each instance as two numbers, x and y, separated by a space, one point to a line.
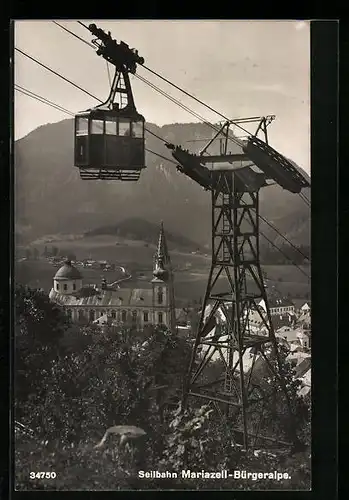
51 198
140 229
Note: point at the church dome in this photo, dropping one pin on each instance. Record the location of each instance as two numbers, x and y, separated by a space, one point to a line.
68 272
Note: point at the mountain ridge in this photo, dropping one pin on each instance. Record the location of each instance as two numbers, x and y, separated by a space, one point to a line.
51 198
139 229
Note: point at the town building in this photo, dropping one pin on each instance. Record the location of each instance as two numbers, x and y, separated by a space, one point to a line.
278 306
153 304
306 307
304 320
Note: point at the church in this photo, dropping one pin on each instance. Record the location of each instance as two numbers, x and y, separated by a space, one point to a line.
139 307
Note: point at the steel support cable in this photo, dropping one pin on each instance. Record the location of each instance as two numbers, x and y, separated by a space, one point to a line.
174 85
64 110
176 101
82 40
216 128
75 85
286 256
148 83
84 25
43 100
301 195
179 103
304 198
85 91
57 74
283 236
29 93
198 116
74 34
194 98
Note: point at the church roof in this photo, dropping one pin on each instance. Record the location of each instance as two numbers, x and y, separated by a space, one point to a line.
125 297
68 272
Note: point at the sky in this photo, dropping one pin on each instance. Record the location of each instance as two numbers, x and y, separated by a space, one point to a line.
239 68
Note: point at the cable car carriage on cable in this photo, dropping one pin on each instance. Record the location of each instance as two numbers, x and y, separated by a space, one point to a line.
109 139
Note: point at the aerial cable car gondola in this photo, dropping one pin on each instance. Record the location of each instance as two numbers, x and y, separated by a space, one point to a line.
109 138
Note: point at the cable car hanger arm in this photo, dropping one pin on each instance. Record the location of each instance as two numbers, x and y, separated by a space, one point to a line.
118 54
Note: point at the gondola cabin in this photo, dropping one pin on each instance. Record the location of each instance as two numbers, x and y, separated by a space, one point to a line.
109 144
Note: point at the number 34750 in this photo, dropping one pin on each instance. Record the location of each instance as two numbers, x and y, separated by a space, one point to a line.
42 475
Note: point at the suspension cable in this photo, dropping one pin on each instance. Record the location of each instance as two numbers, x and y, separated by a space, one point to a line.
301 195
192 96
42 99
75 85
197 115
39 98
74 34
57 74
29 93
145 81
83 90
283 236
283 253
176 101
185 92
304 198
84 25
180 104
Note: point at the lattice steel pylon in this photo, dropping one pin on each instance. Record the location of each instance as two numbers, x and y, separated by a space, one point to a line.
235 294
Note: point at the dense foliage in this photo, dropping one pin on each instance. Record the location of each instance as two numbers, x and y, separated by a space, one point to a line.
72 383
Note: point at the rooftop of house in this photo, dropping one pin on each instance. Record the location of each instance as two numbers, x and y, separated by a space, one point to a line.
280 302
304 391
303 367
255 318
298 303
305 317
296 357
290 335
306 379
249 357
182 315
102 320
281 320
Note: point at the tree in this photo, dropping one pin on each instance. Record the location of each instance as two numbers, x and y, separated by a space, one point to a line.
39 327
90 380
131 378
197 440
276 410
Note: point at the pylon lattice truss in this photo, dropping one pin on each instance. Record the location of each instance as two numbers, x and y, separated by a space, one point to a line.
235 285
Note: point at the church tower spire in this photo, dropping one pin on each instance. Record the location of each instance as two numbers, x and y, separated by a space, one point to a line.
163 289
162 262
